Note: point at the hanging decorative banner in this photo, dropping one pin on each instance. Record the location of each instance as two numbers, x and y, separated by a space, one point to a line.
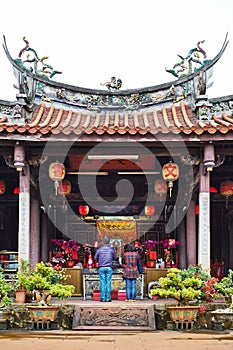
64 187
226 189
57 173
170 174
124 230
2 187
160 187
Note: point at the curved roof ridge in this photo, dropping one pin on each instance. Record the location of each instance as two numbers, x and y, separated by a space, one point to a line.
149 89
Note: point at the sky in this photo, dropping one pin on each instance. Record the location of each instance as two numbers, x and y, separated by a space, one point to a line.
92 40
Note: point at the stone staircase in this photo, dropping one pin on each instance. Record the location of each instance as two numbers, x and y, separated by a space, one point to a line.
111 316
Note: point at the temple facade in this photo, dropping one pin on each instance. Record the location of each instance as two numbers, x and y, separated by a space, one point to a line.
150 165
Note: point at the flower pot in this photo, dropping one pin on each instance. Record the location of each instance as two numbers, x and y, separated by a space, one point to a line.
183 313
43 313
20 296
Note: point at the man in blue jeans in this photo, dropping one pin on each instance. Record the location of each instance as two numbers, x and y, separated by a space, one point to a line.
105 255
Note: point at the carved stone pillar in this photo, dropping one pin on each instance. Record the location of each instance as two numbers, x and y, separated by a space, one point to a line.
24 214
204 218
35 232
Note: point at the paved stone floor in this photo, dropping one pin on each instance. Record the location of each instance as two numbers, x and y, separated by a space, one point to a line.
77 340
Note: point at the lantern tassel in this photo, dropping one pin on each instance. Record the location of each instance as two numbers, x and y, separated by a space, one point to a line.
170 185
56 185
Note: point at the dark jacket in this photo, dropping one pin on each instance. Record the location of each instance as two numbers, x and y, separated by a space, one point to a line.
105 256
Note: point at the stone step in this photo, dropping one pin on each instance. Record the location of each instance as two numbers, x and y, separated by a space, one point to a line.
114 317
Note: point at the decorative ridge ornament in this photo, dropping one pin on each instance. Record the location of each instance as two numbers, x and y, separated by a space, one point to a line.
95 99
37 65
113 84
170 174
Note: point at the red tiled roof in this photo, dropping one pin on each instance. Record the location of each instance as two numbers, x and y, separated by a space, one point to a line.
176 119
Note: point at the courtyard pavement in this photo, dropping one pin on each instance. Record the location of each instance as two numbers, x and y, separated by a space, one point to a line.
90 340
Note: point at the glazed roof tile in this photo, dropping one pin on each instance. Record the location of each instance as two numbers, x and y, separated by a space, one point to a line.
174 119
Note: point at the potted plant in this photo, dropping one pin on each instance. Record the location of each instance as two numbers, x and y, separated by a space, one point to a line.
44 281
192 284
225 287
179 286
5 300
20 287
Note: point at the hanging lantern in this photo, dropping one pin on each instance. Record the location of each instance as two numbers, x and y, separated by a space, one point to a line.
64 187
226 189
16 190
56 173
160 187
149 210
213 189
2 187
170 174
83 210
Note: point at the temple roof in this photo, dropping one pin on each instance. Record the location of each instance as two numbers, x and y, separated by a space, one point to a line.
45 107
175 119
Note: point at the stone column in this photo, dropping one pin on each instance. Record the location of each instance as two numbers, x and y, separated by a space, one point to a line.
191 234
35 232
24 214
204 210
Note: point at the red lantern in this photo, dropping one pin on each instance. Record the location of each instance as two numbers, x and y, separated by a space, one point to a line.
2 187
16 190
160 187
149 210
226 189
170 174
83 210
56 173
64 187
213 189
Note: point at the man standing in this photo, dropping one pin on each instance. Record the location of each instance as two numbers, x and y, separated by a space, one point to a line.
105 255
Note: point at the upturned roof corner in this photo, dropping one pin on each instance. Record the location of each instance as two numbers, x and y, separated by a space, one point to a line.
178 106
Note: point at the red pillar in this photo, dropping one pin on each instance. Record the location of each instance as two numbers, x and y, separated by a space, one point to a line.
191 234
35 232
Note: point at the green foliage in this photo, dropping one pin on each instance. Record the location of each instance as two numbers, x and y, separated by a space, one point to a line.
5 289
192 283
25 270
177 285
225 286
44 277
62 291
